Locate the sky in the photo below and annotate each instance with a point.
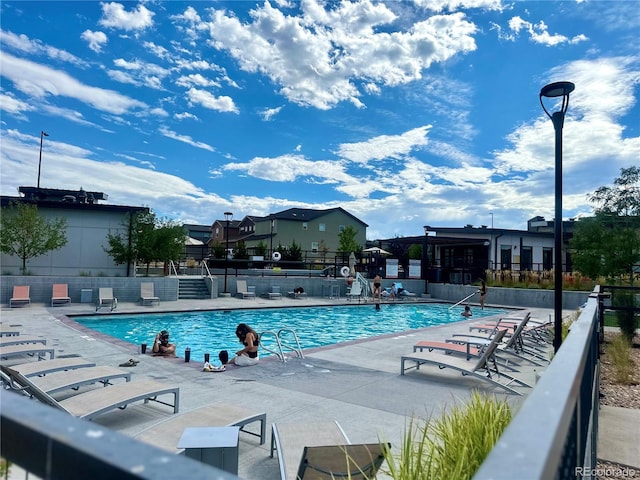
(404, 113)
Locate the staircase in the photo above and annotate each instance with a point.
(192, 289)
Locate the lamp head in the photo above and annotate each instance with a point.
(228, 216)
(554, 90)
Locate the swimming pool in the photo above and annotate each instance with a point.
(212, 331)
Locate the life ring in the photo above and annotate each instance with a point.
(276, 256)
(344, 271)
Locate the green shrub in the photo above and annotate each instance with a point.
(454, 445)
(626, 318)
(619, 351)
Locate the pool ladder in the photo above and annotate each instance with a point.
(282, 346)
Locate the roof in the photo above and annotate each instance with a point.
(60, 205)
(309, 214)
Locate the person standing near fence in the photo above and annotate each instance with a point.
(483, 293)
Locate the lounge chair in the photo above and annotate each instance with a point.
(31, 369)
(89, 405)
(21, 340)
(60, 295)
(275, 292)
(166, 434)
(485, 367)
(321, 450)
(297, 294)
(27, 349)
(243, 291)
(403, 292)
(473, 346)
(106, 299)
(355, 291)
(20, 296)
(147, 294)
(72, 379)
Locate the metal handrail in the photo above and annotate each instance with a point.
(297, 348)
(282, 346)
(172, 266)
(279, 353)
(204, 266)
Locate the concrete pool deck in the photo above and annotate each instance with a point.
(357, 383)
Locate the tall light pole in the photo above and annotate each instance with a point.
(227, 216)
(271, 237)
(42, 135)
(554, 90)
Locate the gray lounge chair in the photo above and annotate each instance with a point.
(21, 340)
(31, 369)
(147, 294)
(275, 292)
(166, 434)
(321, 450)
(27, 349)
(73, 379)
(89, 405)
(243, 290)
(484, 368)
(106, 299)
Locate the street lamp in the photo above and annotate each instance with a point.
(553, 90)
(42, 135)
(227, 216)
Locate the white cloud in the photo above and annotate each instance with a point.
(268, 113)
(185, 139)
(115, 16)
(96, 40)
(207, 100)
(41, 81)
(385, 146)
(539, 33)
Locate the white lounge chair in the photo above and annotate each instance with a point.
(60, 294)
(166, 434)
(89, 405)
(147, 294)
(106, 299)
(20, 296)
(321, 450)
(243, 290)
(485, 367)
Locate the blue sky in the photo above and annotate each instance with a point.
(405, 113)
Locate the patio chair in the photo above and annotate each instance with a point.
(93, 403)
(20, 296)
(243, 291)
(8, 330)
(31, 369)
(275, 292)
(485, 367)
(106, 299)
(73, 379)
(166, 433)
(39, 351)
(321, 450)
(21, 340)
(147, 294)
(355, 291)
(60, 294)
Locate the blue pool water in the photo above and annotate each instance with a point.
(212, 331)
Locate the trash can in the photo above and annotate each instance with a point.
(86, 295)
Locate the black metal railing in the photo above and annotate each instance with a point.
(554, 435)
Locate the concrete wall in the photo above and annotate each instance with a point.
(125, 289)
(508, 296)
(84, 253)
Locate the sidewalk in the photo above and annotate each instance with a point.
(619, 436)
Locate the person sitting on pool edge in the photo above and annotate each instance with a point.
(249, 354)
(161, 345)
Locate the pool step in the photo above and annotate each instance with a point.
(192, 289)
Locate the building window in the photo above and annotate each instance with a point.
(314, 247)
(322, 227)
(547, 258)
(505, 257)
(341, 228)
(526, 258)
(305, 225)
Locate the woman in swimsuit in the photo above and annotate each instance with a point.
(249, 354)
(377, 283)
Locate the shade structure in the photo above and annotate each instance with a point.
(377, 250)
(193, 241)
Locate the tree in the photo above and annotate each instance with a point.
(347, 240)
(147, 240)
(261, 248)
(241, 251)
(27, 234)
(608, 244)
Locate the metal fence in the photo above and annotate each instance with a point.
(555, 431)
